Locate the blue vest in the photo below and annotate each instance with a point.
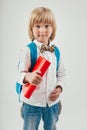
(33, 55)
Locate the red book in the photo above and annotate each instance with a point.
(42, 64)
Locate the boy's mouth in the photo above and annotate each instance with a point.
(41, 35)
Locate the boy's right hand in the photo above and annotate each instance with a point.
(33, 77)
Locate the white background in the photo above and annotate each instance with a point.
(71, 17)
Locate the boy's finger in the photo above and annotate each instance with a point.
(37, 71)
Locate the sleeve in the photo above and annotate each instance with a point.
(24, 64)
(61, 74)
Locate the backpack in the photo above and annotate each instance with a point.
(33, 53)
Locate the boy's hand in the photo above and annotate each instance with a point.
(55, 93)
(33, 78)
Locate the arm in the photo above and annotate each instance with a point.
(23, 65)
(60, 82)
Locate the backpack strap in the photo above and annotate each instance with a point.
(57, 54)
(18, 90)
(33, 53)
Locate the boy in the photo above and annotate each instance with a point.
(43, 103)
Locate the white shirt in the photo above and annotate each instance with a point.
(51, 79)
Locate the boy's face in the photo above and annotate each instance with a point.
(42, 32)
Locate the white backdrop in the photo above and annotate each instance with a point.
(71, 17)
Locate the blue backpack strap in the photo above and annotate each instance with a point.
(57, 54)
(18, 89)
(33, 53)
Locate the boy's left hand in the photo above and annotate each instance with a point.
(55, 93)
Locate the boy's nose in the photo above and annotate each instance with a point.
(42, 29)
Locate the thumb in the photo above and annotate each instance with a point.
(37, 71)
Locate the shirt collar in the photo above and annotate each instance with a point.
(39, 44)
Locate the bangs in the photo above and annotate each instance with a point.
(43, 18)
(43, 15)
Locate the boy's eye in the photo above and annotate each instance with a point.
(46, 26)
(37, 26)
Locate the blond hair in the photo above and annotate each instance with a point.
(43, 15)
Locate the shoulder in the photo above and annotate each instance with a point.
(55, 45)
(28, 46)
(24, 51)
(31, 44)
